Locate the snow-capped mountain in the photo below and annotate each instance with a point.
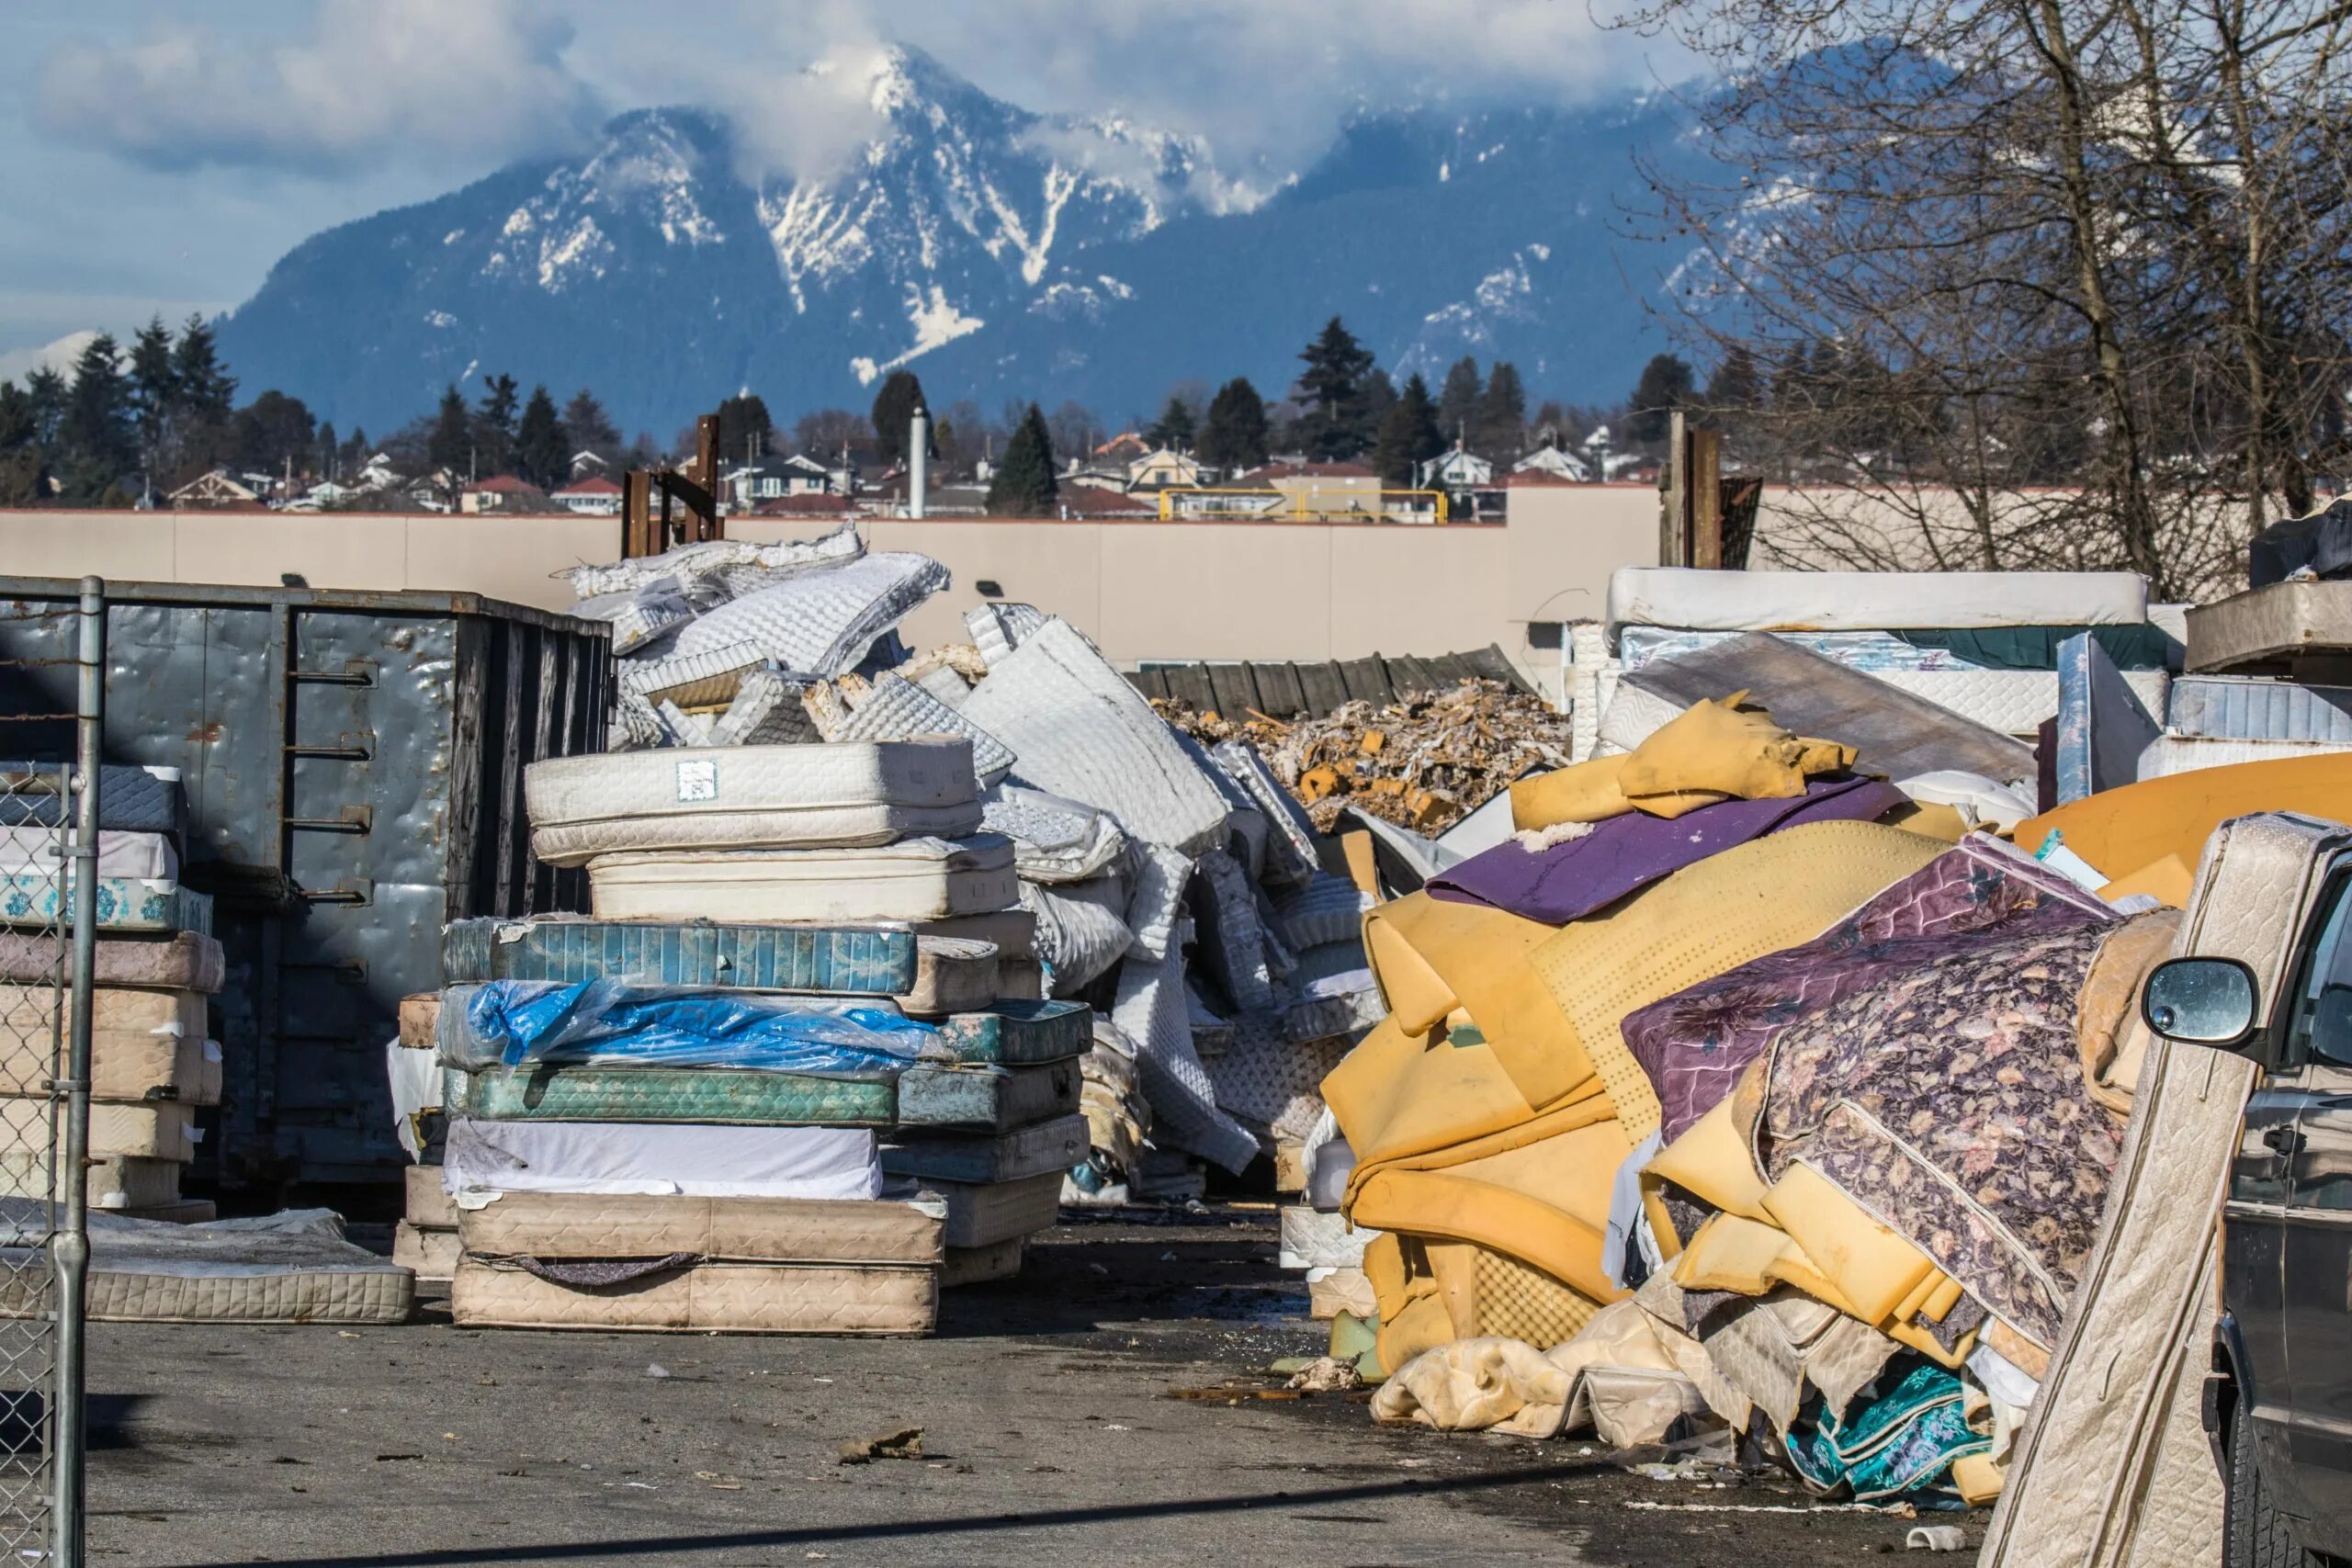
(1000, 252)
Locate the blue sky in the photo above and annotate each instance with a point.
(167, 154)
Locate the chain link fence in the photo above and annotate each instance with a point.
(49, 717)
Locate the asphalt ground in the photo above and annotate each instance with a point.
(1064, 1421)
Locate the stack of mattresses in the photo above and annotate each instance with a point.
(666, 1116)
(153, 1062)
(426, 1238)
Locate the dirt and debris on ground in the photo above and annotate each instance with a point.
(1048, 1437)
(1424, 763)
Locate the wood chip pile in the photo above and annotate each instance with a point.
(1423, 764)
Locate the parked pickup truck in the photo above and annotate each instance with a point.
(2279, 1399)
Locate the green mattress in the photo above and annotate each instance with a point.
(988, 1098)
(1015, 1033)
(672, 1094)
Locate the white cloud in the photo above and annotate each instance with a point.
(19, 363)
(479, 79)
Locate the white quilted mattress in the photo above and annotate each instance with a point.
(914, 879)
(1053, 840)
(2170, 754)
(1870, 601)
(757, 1230)
(736, 797)
(987, 1213)
(1312, 1239)
(822, 621)
(2014, 702)
(430, 1254)
(893, 708)
(1082, 731)
(287, 1268)
(714, 1298)
(485, 1157)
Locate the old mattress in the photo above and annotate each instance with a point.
(914, 879)
(37, 850)
(182, 961)
(127, 905)
(1870, 601)
(289, 1268)
(548, 1225)
(132, 799)
(1013, 931)
(893, 708)
(952, 975)
(426, 1201)
(720, 1096)
(982, 1265)
(161, 1130)
(730, 797)
(992, 1099)
(142, 1044)
(821, 622)
(116, 1182)
(718, 1298)
(2244, 708)
(429, 1253)
(1015, 1033)
(1054, 1145)
(987, 1213)
(2121, 829)
(2270, 627)
(2112, 1467)
(852, 962)
(699, 1161)
(1082, 731)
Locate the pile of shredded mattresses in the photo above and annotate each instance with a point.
(886, 956)
(153, 1060)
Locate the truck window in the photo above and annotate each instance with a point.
(2322, 1026)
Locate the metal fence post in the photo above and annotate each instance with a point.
(72, 1245)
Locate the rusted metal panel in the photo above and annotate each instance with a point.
(353, 762)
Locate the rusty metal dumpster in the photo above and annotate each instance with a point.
(353, 767)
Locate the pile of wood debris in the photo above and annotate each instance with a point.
(1424, 764)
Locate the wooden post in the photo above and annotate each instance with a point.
(638, 537)
(1674, 496)
(1705, 489)
(703, 524)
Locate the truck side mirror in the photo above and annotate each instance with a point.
(2201, 1002)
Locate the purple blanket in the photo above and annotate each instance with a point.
(1571, 880)
(1695, 1044)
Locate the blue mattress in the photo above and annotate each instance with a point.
(2234, 707)
(840, 960)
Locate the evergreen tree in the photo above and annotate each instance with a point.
(1374, 399)
(275, 432)
(1408, 435)
(744, 430)
(894, 409)
(1024, 484)
(1666, 385)
(1500, 432)
(1332, 387)
(97, 440)
(494, 427)
(1232, 438)
(154, 392)
(354, 452)
(1175, 427)
(206, 391)
(1736, 386)
(451, 443)
(23, 467)
(588, 428)
(541, 454)
(324, 459)
(45, 391)
(1457, 398)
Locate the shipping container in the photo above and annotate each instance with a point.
(353, 767)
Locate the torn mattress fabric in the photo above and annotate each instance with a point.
(821, 622)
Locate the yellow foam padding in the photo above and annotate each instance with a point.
(1915, 1337)
(2166, 881)
(1397, 1094)
(1711, 1160)
(1758, 898)
(1422, 1325)
(1747, 1258)
(1931, 817)
(1872, 1266)
(1454, 1267)
(1661, 1218)
(1444, 956)
(1384, 1271)
(1938, 1304)
(1580, 1111)
(1978, 1478)
(1718, 748)
(1545, 1203)
(2120, 829)
(1587, 792)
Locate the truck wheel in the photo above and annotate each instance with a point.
(2252, 1534)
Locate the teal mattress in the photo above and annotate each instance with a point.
(987, 1099)
(838, 960)
(36, 900)
(722, 1095)
(1015, 1033)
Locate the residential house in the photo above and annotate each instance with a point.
(767, 479)
(1455, 471)
(1551, 460)
(593, 495)
(502, 493)
(1164, 467)
(212, 490)
(585, 463)
(1121, 450)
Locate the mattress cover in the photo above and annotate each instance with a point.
(121, 853)
(2270, 626)
(289, 1268)
(858, 961)
(430, 1254)
(426, 1202)
(116, 1182)
(142, 1042)
(1313, 1240)
(1015, 1033)
(988, 1214)
(914, 879)
(759, 1230)
(1870, 601)
(131, 799)
(982, 1265)
(1053, 840)
(184, 961)
(1054, 1145)
(719, 1298)
(698, 1160)
(893, 708)
(161, 1130)
(1082, 731)
(726, 798)
(991, 1098)
(822, 621)
(2014, 702)
(126, 904)
(717, 1096)
(731, 564)
(2236, 707)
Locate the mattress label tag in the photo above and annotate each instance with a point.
(698, 781)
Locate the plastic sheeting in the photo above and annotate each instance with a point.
(510, 1023)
